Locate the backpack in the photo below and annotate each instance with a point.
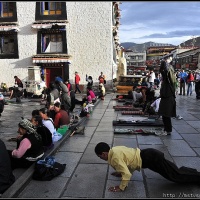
(47, 169)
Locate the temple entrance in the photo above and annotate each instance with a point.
(51, 73)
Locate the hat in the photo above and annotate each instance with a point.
(58, 79)
(26, 124)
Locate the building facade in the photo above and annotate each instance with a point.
(135, 62)
(42, 40)
(155, 54)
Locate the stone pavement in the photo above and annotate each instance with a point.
(87, 176)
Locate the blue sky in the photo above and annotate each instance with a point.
(171, 22)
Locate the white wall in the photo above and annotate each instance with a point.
(89, 41)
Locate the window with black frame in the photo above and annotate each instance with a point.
(50, 10)
(52, 41)
(8, 45)
(7, 9)
(8, 12)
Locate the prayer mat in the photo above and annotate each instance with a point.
(128, 103)
(127, 108)
(136, 131)
(146, 122)
(132, 112)
(122, 106)
(121, 100)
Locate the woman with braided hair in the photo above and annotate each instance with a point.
(29, 146)
(167, 107)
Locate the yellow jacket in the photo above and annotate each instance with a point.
(125, 161)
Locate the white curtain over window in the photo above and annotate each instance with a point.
(54, 47)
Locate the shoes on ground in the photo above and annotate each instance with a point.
(180, 94)
(179, 117)
(162, 133)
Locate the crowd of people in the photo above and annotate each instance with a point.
(36, 135)
(186, 81)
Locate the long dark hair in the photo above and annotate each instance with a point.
(163, 69)
(45, 111)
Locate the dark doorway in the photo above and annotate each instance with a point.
(51, 73)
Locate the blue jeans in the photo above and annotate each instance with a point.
(189, 88)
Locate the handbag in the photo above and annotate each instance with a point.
(56, 136)
(47, 169)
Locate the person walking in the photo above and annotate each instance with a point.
(167, 107)
(126, 160)
(77, 81)
(183, 76)
(190, 80)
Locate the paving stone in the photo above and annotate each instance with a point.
(96, 115)
(192, 162)
(194, 124)
(102, 136)
(44, 189)
(167, 189)
(88, 181)
(135, 189)
(89, 131)
(91, 122)
(105, 128)
(89, 155)
(197, 150)
(192, 139)
(129, 142)
(151, 139)
(179, 148)
(76, 143)
(184, 128)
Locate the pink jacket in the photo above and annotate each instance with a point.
(92, 94)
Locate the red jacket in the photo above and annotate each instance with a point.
(61, 118)
(190, 78)
(77, 79)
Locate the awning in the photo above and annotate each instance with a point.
(46, 25)
(9, 28)
(51, 60)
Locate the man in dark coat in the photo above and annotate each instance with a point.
(6, 176)
(167, 108)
